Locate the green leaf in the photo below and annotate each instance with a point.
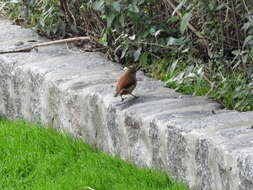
(221, 6)
(247, 40)
(144, 59)
(103, 40)
(99, 5)
(175, 41)
(158, 32)
(110, 19)
(152, 30)
(236, 52)
(251, 52)
(116, 6)
(246, 26)
(140, 2)
(123, 53)
(172, 19)
(180, 5)
(173, 66)
(133, 8)
(184, 22)
(122, 20)
(137, 54)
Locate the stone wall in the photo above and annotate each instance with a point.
(191, 138)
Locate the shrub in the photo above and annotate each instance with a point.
(216, 36)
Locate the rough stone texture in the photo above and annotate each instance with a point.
(189, 137)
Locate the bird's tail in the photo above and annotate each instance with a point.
(116, 94)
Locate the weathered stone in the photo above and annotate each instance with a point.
(191, 138)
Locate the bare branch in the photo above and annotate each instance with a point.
(28, 49)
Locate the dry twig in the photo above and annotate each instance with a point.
(28, 49)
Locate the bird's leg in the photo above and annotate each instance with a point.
(133, 95)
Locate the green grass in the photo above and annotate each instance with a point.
(33, 157)
(231, 89)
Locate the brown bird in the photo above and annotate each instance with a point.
(127, 82)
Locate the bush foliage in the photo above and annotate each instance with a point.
(199, 47)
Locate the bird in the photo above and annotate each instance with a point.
(127, 82)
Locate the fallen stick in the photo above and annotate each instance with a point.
(28, 49)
